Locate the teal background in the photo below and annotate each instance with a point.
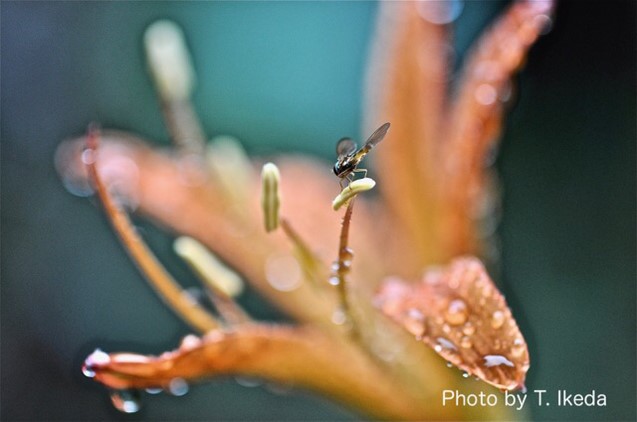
(288, 77)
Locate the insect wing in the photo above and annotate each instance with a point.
(345, 146)
(377, 136)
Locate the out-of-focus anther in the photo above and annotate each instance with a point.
(208, 267)
(222, 283)
(229, 164)
(270, 199)
(172, 71)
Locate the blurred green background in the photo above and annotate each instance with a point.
(288, 77)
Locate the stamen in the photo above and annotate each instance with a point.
(341, 269)
(270, 199)
(174, 77)
(351, 190)
(314, 269)
(222, 283)
(206, 265)
(229, 164)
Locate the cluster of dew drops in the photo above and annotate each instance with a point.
(130, 400)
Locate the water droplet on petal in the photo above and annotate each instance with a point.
(154, 390)
(445, 344)
(449, 365)
(518, 348)
(97, 358)
(496, 360)
(440, 12)
(178, 387)
(465, 342)
(248, 381)
(279, 389)
(468, 329)
(465, 375)
(283, 272)
(126, 401)
(414, 322)
(189, 342)
(88, 372)
(486, 94)
(543, 22)
(456, 312)
(497, 319)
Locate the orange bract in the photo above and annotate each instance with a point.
(461, 314)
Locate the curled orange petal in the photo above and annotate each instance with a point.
(301, 356)
(460, 313)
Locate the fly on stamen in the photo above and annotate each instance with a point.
(349, 155)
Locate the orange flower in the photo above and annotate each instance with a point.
(362, 324)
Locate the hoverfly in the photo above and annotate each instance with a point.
(348, 156)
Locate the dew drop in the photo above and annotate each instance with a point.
(456, 312)
(154, 390)
(334, 281)
(444, 344)
(496, 360)
(440, 12)
(126, 401)
(414, 322)
(347, 254)
(544, 23)
(178, 387)
(189, 342)
(517, 349)
(88, 156)
(497, 319)
(465, 375)
(339, 317)
(248, 381)
(465, 342)
(97, 358)
(486, 94)
(283, 272)
(88, 372)
(468, 329)
(384, 351)
(335, 267)
(449, 365)
(279, 389)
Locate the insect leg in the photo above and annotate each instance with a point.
(364, 171)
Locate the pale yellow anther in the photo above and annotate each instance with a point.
(270, 200)
(208, 267)
(230, 165)
(169, 60)
(351, 190)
